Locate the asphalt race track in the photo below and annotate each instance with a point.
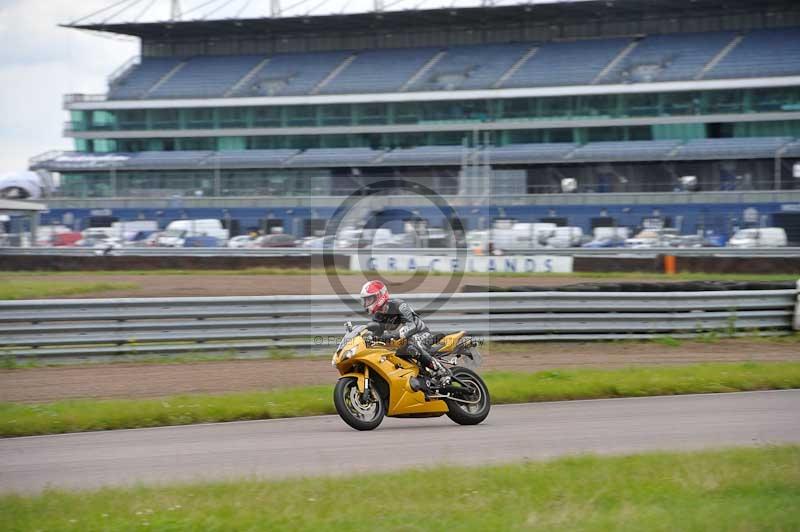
(325, 445)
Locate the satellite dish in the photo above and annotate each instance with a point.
(20, 185)
(569, 184)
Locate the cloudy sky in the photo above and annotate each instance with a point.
(40, 62)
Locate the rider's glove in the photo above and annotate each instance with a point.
(388, 336)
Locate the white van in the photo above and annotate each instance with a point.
(565, 237)
(763, 237)
(178, 231)
(127, 230)
(521, 235)
(611, 233)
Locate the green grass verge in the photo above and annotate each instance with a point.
(632, 276)
(21, 288)
(751, 489)
(279, 353)
(17, 419)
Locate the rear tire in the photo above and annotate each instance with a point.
(469, 414)
(360, 416)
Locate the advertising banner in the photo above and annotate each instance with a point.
(471, 264)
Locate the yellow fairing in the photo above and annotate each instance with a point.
(402, 399)
(450, 341)
(397, 373)
(359, 379)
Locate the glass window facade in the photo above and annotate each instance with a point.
(784, 99)
(160, 184)
(580, 135)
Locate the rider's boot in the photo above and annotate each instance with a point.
(440, 374)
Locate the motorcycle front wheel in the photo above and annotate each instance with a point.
(359, 414)
(472, 405)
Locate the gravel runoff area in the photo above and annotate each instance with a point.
(158, 380)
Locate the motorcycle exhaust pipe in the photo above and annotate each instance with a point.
(457, 390)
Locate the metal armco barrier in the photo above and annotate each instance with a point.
(796, 324)
(102, 327)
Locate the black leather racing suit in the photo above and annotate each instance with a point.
(398, 320)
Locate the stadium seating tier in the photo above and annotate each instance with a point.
(672, 57)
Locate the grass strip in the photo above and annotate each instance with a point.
(17, 419)
(21, 288)
(731, 489)
(285, 353)
(632, 276)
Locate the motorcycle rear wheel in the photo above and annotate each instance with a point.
(469, 414)
(354, 412)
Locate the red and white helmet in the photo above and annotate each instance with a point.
(374, 296)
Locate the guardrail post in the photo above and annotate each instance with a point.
(670, 266)
(796, 324)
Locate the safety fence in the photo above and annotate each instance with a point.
(108, 327)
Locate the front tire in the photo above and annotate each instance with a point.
(354, 412)
(473, 413)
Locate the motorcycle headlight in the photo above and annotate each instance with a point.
(343, 355)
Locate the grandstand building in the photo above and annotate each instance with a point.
(500, 108)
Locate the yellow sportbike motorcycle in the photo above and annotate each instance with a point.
(375, 382)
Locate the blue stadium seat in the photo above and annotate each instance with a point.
(792, 149)
(291, 74)
(630, 150)
(671, 57)
(140, 78)
(470, 67)
(732, 148)
(567, 63)
(423, 155)
(166, 159)
(249, 158)
(379, 70)
(762, 53)
(523, 153)
(207, 76)
(336, 157)
(668, 57)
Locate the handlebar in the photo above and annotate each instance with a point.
(370, 339)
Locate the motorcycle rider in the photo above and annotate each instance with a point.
(393, 319)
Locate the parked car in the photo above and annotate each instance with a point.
(763, 237)
(242, 241)
(606, 242)
(608, 237)
(358, 238)
(691, 241)
(201, 241)
(521, 235)
(318, 242)
(109, 243)
(565, 237)
(177, 231)
(644, 239)
(275, 241)
(66, 239)
(656, 238)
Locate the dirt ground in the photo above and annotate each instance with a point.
(158, 380)
(189, 285)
